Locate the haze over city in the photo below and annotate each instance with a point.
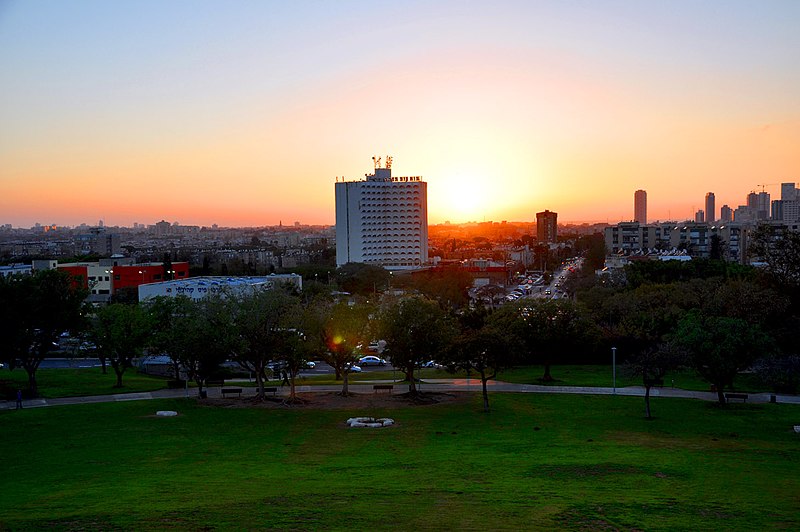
(244, 113)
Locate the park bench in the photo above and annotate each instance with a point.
(742, 396)
(214, 382)
(387, 387)
(272, 389)
(226, 391)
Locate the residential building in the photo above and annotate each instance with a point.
(725, 214)
(711, 208)
(640, 206)
(382, 220)
(547, 226)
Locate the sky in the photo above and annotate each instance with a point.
(244, 113)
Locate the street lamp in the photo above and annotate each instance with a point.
(614, 367)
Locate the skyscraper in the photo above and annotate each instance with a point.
(382, 220)
(788, 192)
(640, 206)
(725, 214)
(547, 226)
(699, 216)
(711, 208)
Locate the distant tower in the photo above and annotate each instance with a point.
(699, 216)
(725, 214)
(788, 192)
(640, 207)
(711, 208)
(383, 220)
(547, 226)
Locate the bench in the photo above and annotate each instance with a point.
(226, 391)
(214, 382)
(272, 389)
(742, 396)
(387, 387)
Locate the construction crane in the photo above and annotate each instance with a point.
(765, 185)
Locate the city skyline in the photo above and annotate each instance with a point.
(244, 114)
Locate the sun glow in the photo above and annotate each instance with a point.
(462, 198)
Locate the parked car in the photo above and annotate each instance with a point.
(371, 360)
(353, 368)
(432, 364)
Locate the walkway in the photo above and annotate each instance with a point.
(435, 385)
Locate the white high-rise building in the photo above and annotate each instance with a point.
(382, 220)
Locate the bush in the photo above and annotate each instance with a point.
(781, 374)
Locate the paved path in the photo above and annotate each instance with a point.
(438, 385)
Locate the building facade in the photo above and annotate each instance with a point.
(382, 220)
(640, 206)
(711, 208)
(200, 287)
(547, 226)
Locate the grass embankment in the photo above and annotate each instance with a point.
(546, 462)
(76, 382)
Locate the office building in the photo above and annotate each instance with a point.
(711, 208)
(547, 226)
(382, 220)
(640, 206)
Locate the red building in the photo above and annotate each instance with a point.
(106, 280)
(150, 272)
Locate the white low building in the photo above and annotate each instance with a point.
(200, 287)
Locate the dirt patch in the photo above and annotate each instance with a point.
(334, 401)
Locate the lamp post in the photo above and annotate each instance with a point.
(614, 368)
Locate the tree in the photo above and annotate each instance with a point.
(300, 343)
(415, 329)
(447, 286)
(545, 329)
(479, 348)
(720, 347)
(261, 319)
(168, 316)
(652, 364)
(207, 339)
(121, 332)
(343, 329)
(362, 279)
(36, 309)
(780, 251)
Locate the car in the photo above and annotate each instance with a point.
(352, 368)
(432, 364)
(547, 292)
(371, 360)
(310, 365)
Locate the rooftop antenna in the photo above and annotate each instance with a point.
(388, 163)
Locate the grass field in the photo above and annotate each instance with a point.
(75, 382)
(537, 461)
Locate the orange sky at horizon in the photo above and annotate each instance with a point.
(501, 118)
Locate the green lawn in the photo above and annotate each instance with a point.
(536, 462)
(590, 375)
(73, 382)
